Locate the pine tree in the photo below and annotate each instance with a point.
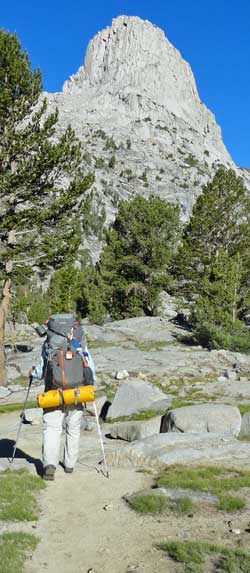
(40, 217)
(220, 303)
(220, 220)
(217, 311)
(134, 264)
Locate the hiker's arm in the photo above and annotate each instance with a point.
(37, 371)
(90, 361)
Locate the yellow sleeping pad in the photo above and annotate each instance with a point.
(59, 397)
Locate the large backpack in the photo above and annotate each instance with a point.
(64, 363)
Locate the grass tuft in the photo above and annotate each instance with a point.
(230, 503)
(214, 479)
(14, 548)
(184, 505)
(192, 553)
(148, 503)
(17, 499)
(185, 552)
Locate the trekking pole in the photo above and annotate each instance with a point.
(101, 440)
(22, 416)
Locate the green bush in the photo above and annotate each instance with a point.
(215, 337)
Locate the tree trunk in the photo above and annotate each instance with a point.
(4, 307)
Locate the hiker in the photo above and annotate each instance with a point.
(64, 357)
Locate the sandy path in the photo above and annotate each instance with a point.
(78, 534)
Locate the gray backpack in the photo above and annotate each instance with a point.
(64, 363)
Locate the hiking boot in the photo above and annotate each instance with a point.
(49, 473)
(68, 470)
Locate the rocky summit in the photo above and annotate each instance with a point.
(135, 106)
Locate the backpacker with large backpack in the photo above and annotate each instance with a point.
(67, 374)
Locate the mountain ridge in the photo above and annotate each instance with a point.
(135, 106)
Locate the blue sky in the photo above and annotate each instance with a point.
(213, 36)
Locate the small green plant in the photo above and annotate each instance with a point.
(14, 548)
(184, 505)
(110, 144)
(213, 479)
(148, 503)
(243, 408)
(230, 503)
(99, 163)
(101, 133)
(17, 499)
(195, 553)
(144, 177)
(185, 552)
(87, 158)
(191, 161)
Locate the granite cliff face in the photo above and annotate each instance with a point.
(135, 106)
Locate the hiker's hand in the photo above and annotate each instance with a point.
(31, 371)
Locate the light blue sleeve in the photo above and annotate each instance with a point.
(38, 370)
(91, 362)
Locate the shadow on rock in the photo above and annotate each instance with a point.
(6, 451)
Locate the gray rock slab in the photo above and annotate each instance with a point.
(34, 415)
(4, 392)
(135, 429)
(216, 418)
(161, 405)
(175, 494)
(16, 388)
(134, 395)
(245, 425)
(13, 372)
(237, 389)
(166, 449)
(173, 360)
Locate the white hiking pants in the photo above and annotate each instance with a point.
(53, 422)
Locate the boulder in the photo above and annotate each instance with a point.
(215, 418)
(121, 375)
(135, 395)
(135, 429)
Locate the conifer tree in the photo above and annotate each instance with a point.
(220, 303)
(220, 220)
(41, 185)
(217, 311)
(134, 264)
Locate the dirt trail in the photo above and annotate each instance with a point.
(85, 526)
